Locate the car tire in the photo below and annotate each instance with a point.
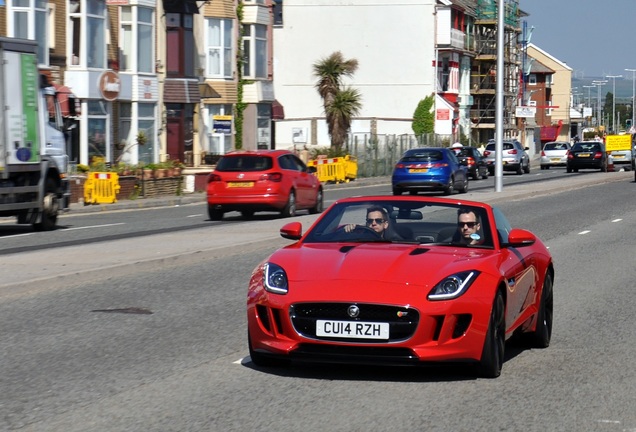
(262, 360)
(541, 336)
(492, 355)
(485, 175)
(464, 187)
(568, 169)
(320, 203)
(247, 214)
(397, 191)
(214, 214)
(290, 207)
(520, 169)
(526, 169)
(449, 187)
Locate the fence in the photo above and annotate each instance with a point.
(377, 154)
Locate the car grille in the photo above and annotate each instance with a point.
(402, 321)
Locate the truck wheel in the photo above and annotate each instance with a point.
(51, 206)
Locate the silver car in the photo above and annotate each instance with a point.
(554, 153)
(514, 157)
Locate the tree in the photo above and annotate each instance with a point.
(341, 103)
(423, 120)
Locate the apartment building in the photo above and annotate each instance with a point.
(155, 79)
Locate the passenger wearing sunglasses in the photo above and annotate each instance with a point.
(468, 227)
(377, 220)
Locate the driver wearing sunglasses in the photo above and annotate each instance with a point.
(377, 220)
(469, 227)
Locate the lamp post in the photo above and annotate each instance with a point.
(599, 113)
(613, 77)
(633, 71)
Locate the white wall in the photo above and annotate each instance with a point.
(393, 43)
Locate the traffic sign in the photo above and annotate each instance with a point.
(618, 142)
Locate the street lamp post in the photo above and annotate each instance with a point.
(613, 77)
(633, 71)
(599, 113)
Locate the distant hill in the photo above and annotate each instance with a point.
(624, 88)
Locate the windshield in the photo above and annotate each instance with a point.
(416, 222)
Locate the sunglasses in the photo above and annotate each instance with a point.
(376, 220)
(468, 224)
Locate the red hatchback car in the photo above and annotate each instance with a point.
(452, 283)
(263, 180)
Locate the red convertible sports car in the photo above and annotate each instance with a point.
(401, 280)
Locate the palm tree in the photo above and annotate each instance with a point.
(341, 103)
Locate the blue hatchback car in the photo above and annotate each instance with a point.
(429, 169)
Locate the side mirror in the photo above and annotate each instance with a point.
(292, 231)
(312, 170)
(519, 237)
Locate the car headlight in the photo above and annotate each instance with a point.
(275, 279)
(453, 286)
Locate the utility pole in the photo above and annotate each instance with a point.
(613, 77)
(599, 112)
(633, 71)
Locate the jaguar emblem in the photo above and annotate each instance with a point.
(353, 311)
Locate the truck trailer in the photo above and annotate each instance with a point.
(34, 184)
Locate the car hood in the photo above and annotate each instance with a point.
(380, 262)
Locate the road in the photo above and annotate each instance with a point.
(157, 340)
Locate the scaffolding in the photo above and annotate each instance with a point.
(484, 71)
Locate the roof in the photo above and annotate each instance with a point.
(536, 67)
(549, 56)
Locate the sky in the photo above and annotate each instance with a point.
(595, 38)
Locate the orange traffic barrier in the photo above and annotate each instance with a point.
(335, 170)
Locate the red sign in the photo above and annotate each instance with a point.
(118, 2)
(443, 114)
(109, 85)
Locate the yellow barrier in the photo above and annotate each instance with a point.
(101, 188)
(337, 170)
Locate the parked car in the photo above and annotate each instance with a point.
(587, 155)
(621, 156)
(262, 180)
(514, 157)
(429, 169)
(554, 153)
(473, 161)
(349, 296)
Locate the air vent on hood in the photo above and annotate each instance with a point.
(419, 251)
(346, 249)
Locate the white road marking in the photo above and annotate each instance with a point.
(584, 232)
(617, 220)
(196, 215)
(93, 226)
(239, 361)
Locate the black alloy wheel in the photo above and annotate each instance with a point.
(492, 355)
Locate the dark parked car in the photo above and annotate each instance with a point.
(514, 157)
(429, 169)
(587, 155)
(473, 161)
(263, 180)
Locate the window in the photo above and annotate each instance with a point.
(180, 44)
(29, 19)
(255, 50)
(278, 12)
(548, 112)
(532, 79)
(88, 33)
(97, 130)
(218, 143)
(263, 122)
(147, 125)
(137, 41)
(219, 57)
